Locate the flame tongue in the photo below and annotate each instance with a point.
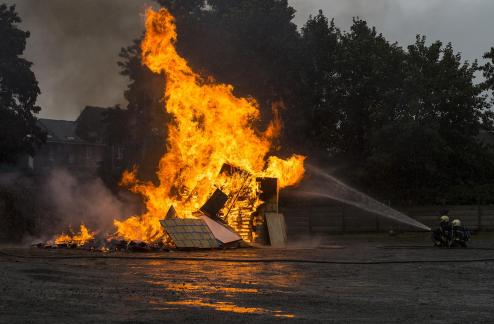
(78, 239)
(211, 127)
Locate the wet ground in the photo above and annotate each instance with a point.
(67, 286)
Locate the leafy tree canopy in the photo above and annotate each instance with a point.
(401, 124)
(19, 90)
(488, 70)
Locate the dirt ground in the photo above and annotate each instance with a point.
(91, 287)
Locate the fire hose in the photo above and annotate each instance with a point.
(242, 260)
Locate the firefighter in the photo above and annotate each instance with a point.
(461, 235)
(443, 235)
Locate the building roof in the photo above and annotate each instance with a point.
(63, 131)
(88, 128)
(93, 114)
(90, 124)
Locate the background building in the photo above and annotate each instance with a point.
(77, 146)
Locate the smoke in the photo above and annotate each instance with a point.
(35, 208)
(311, 241)
(74, 46)
(75, 201)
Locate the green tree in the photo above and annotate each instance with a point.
(19, 90)
(147, 117)
(137, 134)
(488, 70)
(368, 73)
(401, 124)
(354, 78)
(431, 141)
(319, 123)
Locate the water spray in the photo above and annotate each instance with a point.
(327, 186)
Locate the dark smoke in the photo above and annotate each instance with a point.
(74, 46)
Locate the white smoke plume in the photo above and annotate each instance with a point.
(76, 201)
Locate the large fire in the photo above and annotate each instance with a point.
(211, 128)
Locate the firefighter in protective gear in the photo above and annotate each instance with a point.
(443, 235)
(461, 235)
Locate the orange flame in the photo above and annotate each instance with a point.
(79, 239)
(211, 127)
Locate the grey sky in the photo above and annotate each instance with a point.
(75, 44)
(468, 24)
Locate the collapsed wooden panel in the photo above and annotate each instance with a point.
(276, 228)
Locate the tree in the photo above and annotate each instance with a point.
(355, 78)
(320, 40)
(19, 90)
(401, 124)
(147, 117)
(488, 70)
(251, 44)
(429, 141)
(116, 136)
(138, 132)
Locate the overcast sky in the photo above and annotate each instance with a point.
(74, 45)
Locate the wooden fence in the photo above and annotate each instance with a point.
(339, 218)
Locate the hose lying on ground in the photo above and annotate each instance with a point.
(233, 260)
(418, 247)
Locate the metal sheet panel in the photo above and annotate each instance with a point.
(190, 233)
(220, 232)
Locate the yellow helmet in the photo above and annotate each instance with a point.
(444, 219)
(456, 222)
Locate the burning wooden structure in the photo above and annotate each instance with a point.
(227, 212)
(217, 163)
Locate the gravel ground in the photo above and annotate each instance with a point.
(37, 286)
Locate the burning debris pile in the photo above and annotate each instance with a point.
(216, 179)
(74, 239)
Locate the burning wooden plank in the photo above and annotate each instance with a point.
(214, 204)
